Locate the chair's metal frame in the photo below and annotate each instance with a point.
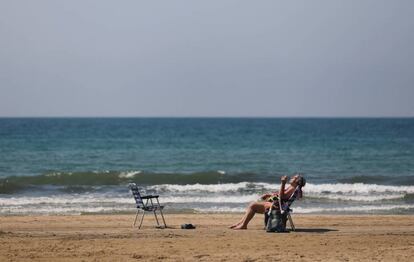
(292, 226)
(289, 217)
(148, 206)
(285, 207)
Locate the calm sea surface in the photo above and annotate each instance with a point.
(83, 165)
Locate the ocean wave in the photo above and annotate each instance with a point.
(194, 197)
(315, 210)
(82, 209)
(78, 210)
(351, 209)
(253, 197)
(409, 198)
(378, 179)
(358, 198)
(358, 188)
(13, 184)
(220, 209)
(340, 192)
(7, 187)
(312, 189)
(78, 189)
(210, 181)
(216, 188)
(59, 210)
(210, 199)
(129, 174)
(64, 200)
(114, 201)
(102, 199)
(240, 191)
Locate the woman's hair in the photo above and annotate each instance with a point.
(301, 183)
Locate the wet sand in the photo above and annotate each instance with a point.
(112, 238)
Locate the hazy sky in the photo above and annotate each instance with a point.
(207, 58)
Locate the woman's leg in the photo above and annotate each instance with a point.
(254, 207)
(266, 204)
(241, 220)
(238, 223)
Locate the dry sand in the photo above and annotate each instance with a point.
(111, 238)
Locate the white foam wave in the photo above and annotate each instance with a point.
(364, 208)
(58, 174)
(309, 210)
(129, 174)
(229, 197)
(77, 210)
(215, 188)
(211, 199)
(220, 209)
(102, 199)
(219, 204)
(315, 189)
(62, 200)
(224, 193)
(362, 198)
(358, 188)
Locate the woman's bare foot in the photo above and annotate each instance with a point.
(239, 227)
(235, 225)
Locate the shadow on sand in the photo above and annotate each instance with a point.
(314, 230)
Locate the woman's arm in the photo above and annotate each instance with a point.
(283, 181)
(265, 196)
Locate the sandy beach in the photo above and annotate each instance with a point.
(111, 238)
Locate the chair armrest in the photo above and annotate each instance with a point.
(150, 196)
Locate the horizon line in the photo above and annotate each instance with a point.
(206, 116)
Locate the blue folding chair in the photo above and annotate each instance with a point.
(148, 206)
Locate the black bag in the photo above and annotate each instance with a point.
(276, 221)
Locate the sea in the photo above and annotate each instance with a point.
(74, 166)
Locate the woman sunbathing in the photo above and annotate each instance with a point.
(266, 203)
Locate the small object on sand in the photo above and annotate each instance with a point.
(187, 226)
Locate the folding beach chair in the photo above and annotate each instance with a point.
(285, 208)
(148, 206)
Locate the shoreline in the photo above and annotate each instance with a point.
(209, 213)
(111, 237)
